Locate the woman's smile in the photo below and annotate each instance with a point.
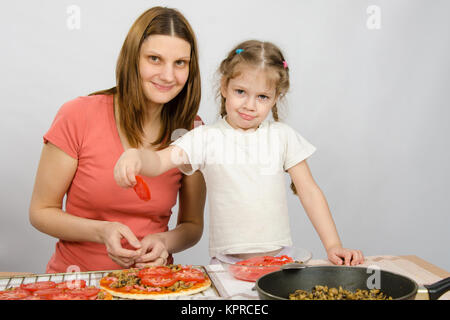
(162, 88)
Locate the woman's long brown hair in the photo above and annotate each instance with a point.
(175, 114)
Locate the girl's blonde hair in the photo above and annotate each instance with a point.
(258, 54)
(178, 113)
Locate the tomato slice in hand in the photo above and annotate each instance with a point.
(38, 285)
(141, 189)
(159, 281)
(190, 275)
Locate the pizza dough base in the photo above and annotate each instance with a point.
(149, 296)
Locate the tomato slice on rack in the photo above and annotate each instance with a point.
(88, 292)
(71, 284)
(34, 286)
(14, 294)
(47, 293)
(141, 189)
(190, 275)
(159, 281)
(49, 290)
(66, 296)
(32, 298)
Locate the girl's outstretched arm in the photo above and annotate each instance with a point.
(148, 162)
(317, 209)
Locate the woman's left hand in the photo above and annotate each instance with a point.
(153, 252)
(339, 256)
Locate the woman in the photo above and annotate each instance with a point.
(104, 227)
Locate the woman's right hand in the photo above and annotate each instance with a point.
(127, 167)
(111, 235)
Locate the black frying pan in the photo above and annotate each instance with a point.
(279, 284)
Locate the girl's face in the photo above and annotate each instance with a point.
(249, 97)
(163, 67)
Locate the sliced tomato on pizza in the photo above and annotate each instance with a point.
(159, 281)
(155, 271)
(190, 275)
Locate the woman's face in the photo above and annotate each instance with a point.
(164, 67)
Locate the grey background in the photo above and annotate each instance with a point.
(375, 103)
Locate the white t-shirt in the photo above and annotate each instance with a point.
(244, 175)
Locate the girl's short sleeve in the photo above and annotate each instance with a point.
(67, 130)
(197, 122)
(192, 143)
(297, 148)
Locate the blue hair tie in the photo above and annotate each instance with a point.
(238, 51)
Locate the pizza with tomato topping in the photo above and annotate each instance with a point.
(159, 282)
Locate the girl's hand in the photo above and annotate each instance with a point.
(339, 256)
(127, 167)
(111, 235)
(153, 251)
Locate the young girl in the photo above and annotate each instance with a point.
(243, 158)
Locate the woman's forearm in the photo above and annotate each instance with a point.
(189, 227)
(317, 209)
(62, 225)
(184, 236)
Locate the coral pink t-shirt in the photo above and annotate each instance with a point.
(86, 130)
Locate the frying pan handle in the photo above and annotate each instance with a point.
(437, 289)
